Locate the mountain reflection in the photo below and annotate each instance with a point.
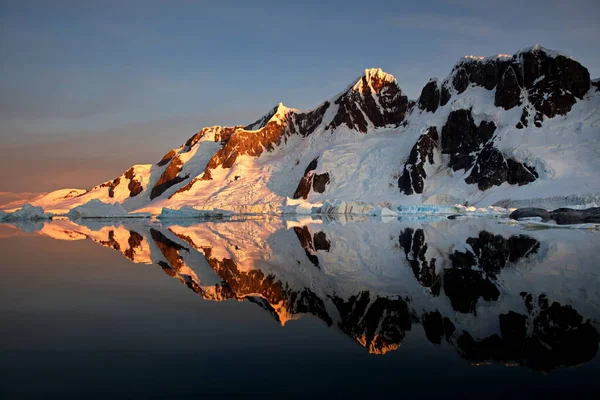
(491, 291)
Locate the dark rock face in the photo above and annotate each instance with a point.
(355, 105)
(519, 173)
(461, 137)
(169, 177)
(429, 100)
(492, 169)
(552, 82)
(413, 175)
(135, 187)
(112, 186)
(306, 181)
(166, 158)
(306, 123)
(445, 95)
(486, 73)
(508, 91)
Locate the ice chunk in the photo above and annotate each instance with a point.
(428, 209)
(97, 209)
(26, 212)
(191, 212)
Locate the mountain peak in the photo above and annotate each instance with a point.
(538, 48)
(374, 78)
(276, 113)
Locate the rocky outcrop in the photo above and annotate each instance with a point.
(135, 186)
(413, 175)
(167, 158)
(461, 138)
(493, 169)
(429, 100)
(311, 180)
(508, 91)
(169, 177)
(306, 181)
(375, 100)
(306, 123)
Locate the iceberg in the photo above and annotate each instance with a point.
(97, 209)
(190, 212)
(428, 209)
(26, 212)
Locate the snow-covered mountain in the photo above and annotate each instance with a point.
(491, 291)
(507, 130)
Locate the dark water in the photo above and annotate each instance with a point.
(289, 309)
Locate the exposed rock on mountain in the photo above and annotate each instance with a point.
(413, 175)
(495, 129)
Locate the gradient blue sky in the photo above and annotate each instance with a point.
(88, 88)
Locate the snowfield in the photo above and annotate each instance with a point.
(359, 164)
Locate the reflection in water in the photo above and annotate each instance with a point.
(492, 292)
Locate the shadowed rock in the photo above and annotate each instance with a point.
(508, 91)
(493, 169)
(305, 183)
(358, 108)
(461, 138)
(169, 177)
(413, 175)
(429, 100)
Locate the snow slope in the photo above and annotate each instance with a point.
(506, 130)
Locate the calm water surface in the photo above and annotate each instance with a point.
(293, 308)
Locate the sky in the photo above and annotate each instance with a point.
(89, 88)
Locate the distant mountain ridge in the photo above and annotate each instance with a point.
(520, 129)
